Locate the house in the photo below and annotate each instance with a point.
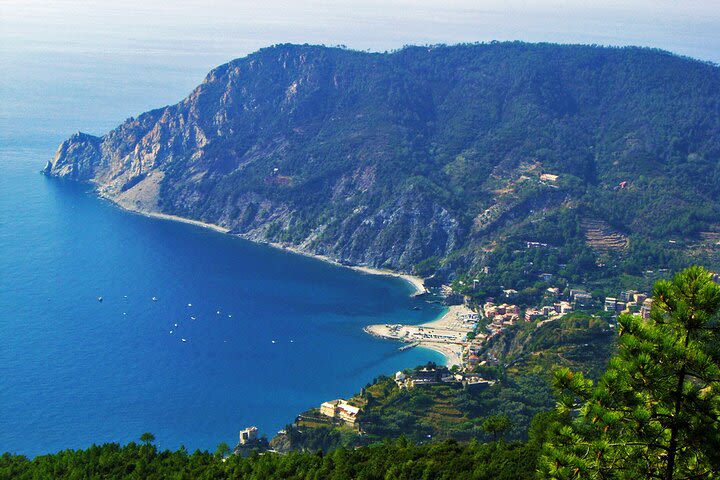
(583, 299)
(248, 435)
(627, 296)
(548, 177)
(645, 308)
(250, 443)
(563, 307)
(532, 314)
(545, 277)
(574, 292)
(328, 408)
(341, 410)
(473, 381)
(348, 413)
(611, 304)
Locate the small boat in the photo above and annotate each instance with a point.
(171, 331)
(229, 316)
(192, 318)
(273, 341)
(183, 340)
(218, 312)
(176, 325)
(100, 299)
(189, 304)
(154, 299)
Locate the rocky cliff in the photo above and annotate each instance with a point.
(391, 159)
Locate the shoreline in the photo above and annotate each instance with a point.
(448, 324)
(451, 352)
(417, 283)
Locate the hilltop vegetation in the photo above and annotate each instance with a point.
(396, 460)
(444, 158)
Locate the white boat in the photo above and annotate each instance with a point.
(183, 340)
(154, 299)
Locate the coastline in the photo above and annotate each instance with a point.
(448, 324)
(452, 352)
(417, 283)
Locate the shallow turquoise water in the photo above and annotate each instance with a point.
(74, 370)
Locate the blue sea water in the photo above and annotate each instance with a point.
(75, 371)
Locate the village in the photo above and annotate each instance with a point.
(461, 335)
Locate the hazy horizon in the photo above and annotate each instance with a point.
(231, 29)
(152, 54)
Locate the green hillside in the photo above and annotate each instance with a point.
(443, 158)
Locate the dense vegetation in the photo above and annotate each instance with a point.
(395, 460)
(655, 412)
(431, 157)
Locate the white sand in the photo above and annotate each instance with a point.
(449, 326)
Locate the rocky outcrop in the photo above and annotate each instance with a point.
(77, 158)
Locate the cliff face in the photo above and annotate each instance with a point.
(389, 159)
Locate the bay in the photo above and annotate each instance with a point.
(274, 333)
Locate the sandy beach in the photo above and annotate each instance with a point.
(175, 218)
(446, 335)
(416, 282)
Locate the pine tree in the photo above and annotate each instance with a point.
(655, 413)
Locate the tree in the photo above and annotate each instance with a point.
(655, 413)
(496, 425)
(222, 450)
(147, 438)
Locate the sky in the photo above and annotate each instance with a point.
(68, 65)
(231, 28)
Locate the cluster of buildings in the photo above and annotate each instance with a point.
(500, 316)
(558, 308)
(436, 375)
(340, 410)
(630, 301)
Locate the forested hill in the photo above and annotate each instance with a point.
(431, 157)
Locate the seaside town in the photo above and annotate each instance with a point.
(461, 335)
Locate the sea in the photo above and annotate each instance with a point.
(199, 334)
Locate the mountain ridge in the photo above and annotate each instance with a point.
(395, 159)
